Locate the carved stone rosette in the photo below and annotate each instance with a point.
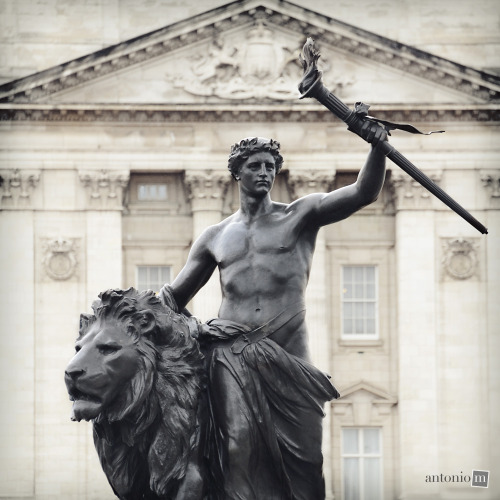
(491, 181)
(206, 189)
(407, 193)
(459, 260)
(303, 182)
(104, 188)
(59, 257)
(16, 188)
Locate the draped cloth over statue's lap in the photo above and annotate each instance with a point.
(266, 409)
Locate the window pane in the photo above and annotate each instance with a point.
(359, 325)
(371, 442)
(348, 326)
(350, 441)
(347, 291)
(359, 291)
(372, 479)
(162, 191)
(347, 311)
(358, 274)
(370, 309)
(165, 274)
(370, 274)
(370, 291)
(152, 277)
(359, 309)
(351, 479)
(370, 326)
(152, 192)
(347, 273)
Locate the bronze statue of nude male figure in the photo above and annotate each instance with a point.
(263, 440)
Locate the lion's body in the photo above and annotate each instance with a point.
(138, 375)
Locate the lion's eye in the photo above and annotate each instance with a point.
(107, 349)
(77, 348)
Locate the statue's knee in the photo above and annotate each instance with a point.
(238, 450)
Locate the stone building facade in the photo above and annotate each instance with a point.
(113, 163)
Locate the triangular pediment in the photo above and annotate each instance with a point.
(365, 391)
(247, 53)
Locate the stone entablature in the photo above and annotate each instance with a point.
(165, 113)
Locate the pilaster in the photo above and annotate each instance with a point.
(491, 195)
(417, 335)
(206, 190)
(302, 183)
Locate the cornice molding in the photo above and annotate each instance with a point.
(278, 13)
(230, 113)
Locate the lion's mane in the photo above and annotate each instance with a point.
(147, 437)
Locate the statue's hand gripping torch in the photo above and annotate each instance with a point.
(312, 86)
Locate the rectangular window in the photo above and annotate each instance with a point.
(359, 302)
(151, 192)
(361, 463)
(152, 277)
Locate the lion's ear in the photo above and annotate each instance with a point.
(146, 322)
(86, 321)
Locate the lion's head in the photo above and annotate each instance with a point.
(137, 374)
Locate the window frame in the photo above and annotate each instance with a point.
(362, 456)
(360, 336)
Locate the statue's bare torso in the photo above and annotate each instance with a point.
(264, 251)
(264, 265)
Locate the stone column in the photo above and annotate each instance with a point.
(416, 323)
(206, 191)
(303, 182)
(19, 197)
(491, 193)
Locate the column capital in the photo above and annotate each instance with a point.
(206, 189)
(303, 182)
(408, 194)
(17, 187)
(104, 188)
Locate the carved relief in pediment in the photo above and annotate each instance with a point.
(256, 65)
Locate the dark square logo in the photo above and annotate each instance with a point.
(480, 478)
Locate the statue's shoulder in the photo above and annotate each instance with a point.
(305, 204)
(211, 233)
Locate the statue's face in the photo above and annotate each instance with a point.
(257, 174)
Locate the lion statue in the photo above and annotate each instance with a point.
(138, 374)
